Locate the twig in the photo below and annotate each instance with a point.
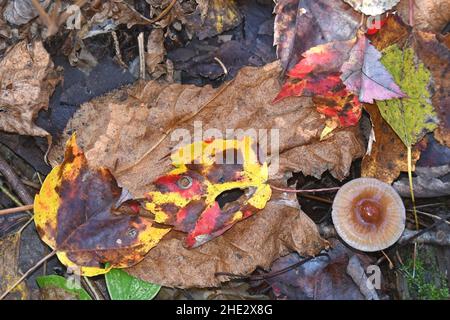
(141, 56)
(16, 209)
(117, 49)
(14, 182)
(25, 225)
(92, 289)
(26, 274)
(305, 190)
(225, 70)
(316, 198)
(430, 215)
(10, 195)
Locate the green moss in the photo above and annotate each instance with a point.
(428, 283)
(411, 117)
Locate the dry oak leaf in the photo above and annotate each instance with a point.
(435, 55)
(27, 80)
(372, 7)
(77, 212)
(255, 242)
(130, 130)
(388, 156)
(303, 24)
(428, 15)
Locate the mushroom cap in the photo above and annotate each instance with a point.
(368, 214)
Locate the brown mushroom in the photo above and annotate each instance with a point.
(368, 214)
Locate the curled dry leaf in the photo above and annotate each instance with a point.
(428, 15)
(372, 7)
(77, 212)
(303, 24)
(388, 156)
(27, 79)
(9, 268)
(255, 242)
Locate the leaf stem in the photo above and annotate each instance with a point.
(305, 190)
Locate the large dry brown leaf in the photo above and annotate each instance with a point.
(275, 231)
(388, 156)
(122, 130)
(27, 79)
(428, 15)
(436, 57)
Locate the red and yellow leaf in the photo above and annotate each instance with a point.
(188, 198)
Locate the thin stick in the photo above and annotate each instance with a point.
(305, 190)
(10, 195)
(26, 274)
(16, 209)
(25, 225)
(92, 289)
(15, 182)
(320, 199)
(141, 55)
(430, 215)
(225, 70)
(391, 265)
(117, 49)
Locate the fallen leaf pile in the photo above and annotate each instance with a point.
(132, 137)
(128, 189)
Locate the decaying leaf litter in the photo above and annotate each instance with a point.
(212, 65)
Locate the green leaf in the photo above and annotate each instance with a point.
(122, 286)
(412, 117)
(53, 281)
